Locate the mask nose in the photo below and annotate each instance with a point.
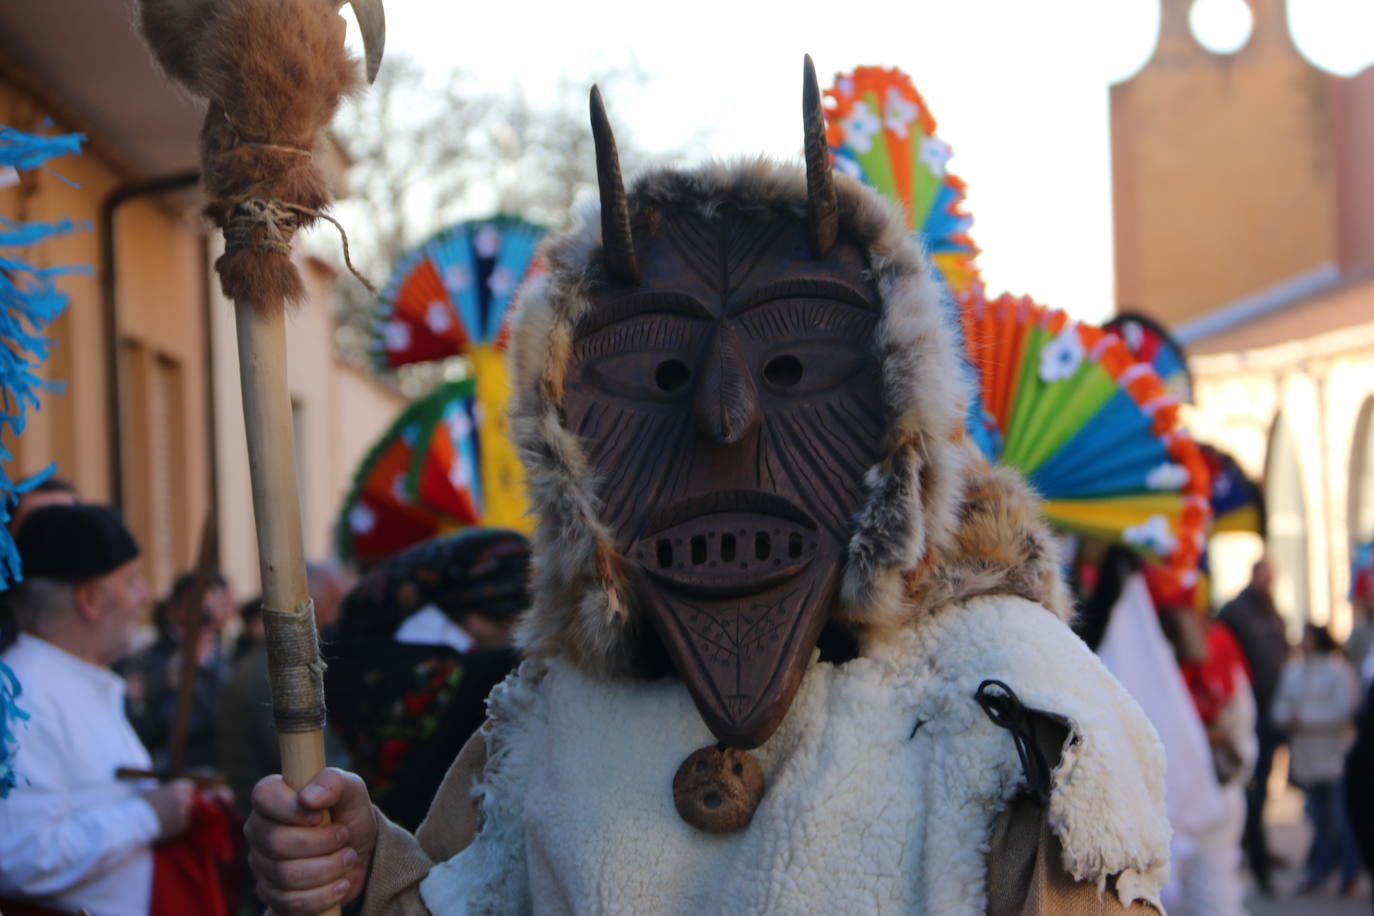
(726, 404)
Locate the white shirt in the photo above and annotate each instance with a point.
(430, 626)
(71, 835)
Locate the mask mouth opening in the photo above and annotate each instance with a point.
(726, 555)
(730, 544)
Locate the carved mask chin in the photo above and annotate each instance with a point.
(729, 405)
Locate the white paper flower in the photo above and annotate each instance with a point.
(487, 241)
(361, 519)
(844, 87)
(457, 278)
(397, 336)
(1152, 534)
(1133, 334)
(935, 155)
(459, 426)
(459, 476)
(1167, 476)
(847, 166)
(437, 317)
(1061, 357)
(898, 112)
(861, 127)
(501, 282)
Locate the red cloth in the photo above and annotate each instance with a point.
(1213, 682)
(198, 872)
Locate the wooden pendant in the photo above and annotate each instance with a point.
(718, 789)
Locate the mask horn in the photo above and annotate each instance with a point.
(822, 210)
(617, 242)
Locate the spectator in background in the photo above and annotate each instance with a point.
(72, 836)
(252, 633)
(1359, 784)
(1359, 646)
(1211, 882)
(248, 744)
(1258, 627)
(248, 747)
(154, 675)
(420, 642)
(52, 492)
(1316, 702)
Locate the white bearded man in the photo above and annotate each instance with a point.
(794, 646)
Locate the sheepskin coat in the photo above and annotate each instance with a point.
(883, 784)
(886, 778)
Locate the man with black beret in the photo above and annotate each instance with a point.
(72, 836)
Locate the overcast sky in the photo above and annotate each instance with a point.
(1019, 88)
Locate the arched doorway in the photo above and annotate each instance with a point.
(1288, 528)
(1361, 508)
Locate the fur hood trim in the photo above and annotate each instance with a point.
(911, 526)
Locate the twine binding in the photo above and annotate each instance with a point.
(297, 688)
(278, 221)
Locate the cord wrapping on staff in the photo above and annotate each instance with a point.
(298, 689)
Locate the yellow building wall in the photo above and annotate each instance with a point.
(1223, 168)
(339, 411)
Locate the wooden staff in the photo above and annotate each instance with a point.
(274, 72)
(207, 561)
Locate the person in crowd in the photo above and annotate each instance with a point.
(248, 746)
(154, 674)
(1316, 702)
(52, 492)
(420, 643)
(1359, 783)
(1259, 628)
(251, 632)
(73, 836)
(1359, 646)
(1219, 683)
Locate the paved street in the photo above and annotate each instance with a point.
(1288, 838)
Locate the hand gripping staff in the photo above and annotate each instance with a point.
(274, 72)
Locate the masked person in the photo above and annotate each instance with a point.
(793, 646)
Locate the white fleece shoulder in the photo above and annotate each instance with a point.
(883, 783)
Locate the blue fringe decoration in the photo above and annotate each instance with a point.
(29, 302)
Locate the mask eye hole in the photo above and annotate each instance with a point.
(672, 375)
(784, 371)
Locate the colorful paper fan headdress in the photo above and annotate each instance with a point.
(451, 296)
(452, 293)
(1237, 501)
(419, 480)
(881, 132)
(1149, 342)
(1092, 429)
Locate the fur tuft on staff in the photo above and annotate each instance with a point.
(275, 72)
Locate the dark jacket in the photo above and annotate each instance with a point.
(1260, 631)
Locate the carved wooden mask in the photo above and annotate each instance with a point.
(726, 390)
